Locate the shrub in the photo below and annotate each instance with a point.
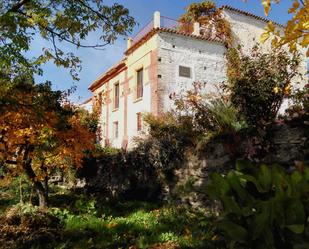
(300, 102)
(263, 207)
(207, 114)
(24, 226)
(121, 174)
(258, 82)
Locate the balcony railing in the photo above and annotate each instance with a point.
(169, 23)
(162, 22)
(145, 30)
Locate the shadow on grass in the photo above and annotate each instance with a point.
(139, 229)
(90, 223)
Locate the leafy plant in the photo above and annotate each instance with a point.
(295, 32)
(263, 207)
(38, 133)
(56, 22)
(226, 117)
(207, 114)
(208, 15)
(300, 104)
(258, 83)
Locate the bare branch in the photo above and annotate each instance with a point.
(96, 12)
(17, 6)
(61, 37)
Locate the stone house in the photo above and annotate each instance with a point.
(165, 57)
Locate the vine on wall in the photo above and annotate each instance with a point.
(209, 17)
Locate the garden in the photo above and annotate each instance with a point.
(230, 171)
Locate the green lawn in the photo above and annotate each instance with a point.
(90, 223)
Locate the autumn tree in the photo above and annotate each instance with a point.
(39, 130)
(39, 133)
(296, 30)
(210, 17)
(59, 22)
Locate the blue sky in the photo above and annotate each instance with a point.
(95, 62)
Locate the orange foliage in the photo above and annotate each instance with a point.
(38, 133)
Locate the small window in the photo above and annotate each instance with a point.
(116, 129)
(184, 71)
(139, 121)
(100, 98)
(139, 84)
(116, 95)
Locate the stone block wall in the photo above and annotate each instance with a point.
(286, 145)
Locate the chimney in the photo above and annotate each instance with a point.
(156, 19)
(196, 28)
(129, 42)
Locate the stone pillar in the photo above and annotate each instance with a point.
(196, 28)
(129, 42)
(156, 19)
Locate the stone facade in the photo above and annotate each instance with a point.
(161, 52)
(205, 59)
(286, 144)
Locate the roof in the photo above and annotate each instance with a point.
(103, 77)
(121, 65)
(86, 101)
(227, 7)
(173, 31)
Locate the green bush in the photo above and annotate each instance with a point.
(258, 82)
(300, 106)
(225, 115)
(263, 207)
(203, 114)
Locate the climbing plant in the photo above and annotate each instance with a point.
(210, 17)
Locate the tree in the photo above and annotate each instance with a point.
(39, 133)
(58, 22)
(208, 15)
(297, 29)
(258, 83)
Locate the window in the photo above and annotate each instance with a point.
(115, 129)
(100, 99)
(116, 95)
(139, 121)
(185, 71)
(139, 84)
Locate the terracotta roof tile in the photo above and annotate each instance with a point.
(106, 74)
(173, 31)
(153, 31)
(227, 7)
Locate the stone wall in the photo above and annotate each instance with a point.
(206, 60)
(286, 144)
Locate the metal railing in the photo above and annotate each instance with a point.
(169, 23)
(145, 30)
(165, 22)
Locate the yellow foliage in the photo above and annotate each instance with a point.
(208, 15)
(296, 32)
(266, 4)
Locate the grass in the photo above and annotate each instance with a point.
(91, 223)
(137, 228)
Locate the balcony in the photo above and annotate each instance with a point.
(167, 23)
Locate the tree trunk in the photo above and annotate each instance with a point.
(42, 194)
(21, 199)
(43, 199)
(40, 190)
